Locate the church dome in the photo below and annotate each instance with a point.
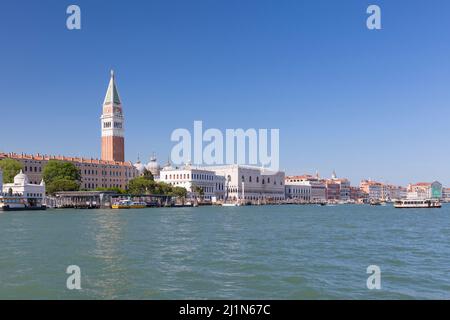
(153, 166)
(139, 166)
(21, 179)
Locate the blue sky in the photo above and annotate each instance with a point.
(369, 104)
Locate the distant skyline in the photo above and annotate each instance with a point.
(367, 104)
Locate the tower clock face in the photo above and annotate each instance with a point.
(107, 109)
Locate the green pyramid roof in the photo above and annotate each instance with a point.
(112, 95)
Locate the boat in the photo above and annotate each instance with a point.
(17, 203)
(374, 202)
(236, 204)
(128, 204)
(418, 203)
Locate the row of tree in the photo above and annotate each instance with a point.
(65, 176)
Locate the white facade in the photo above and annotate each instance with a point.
(318, 187)
(33, 194)
(298, 191)
(446, 194)
(188, 177)
(251, 184)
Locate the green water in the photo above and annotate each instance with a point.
(265, 252)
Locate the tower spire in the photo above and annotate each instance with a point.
(112, 94)
(112, 124)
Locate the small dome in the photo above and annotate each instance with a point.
(21, 179)
(153, 166)
(139, 167)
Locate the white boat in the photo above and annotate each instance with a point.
(17, 203)
(231, 204)
(418, 203)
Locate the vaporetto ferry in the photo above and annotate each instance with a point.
(418, 203)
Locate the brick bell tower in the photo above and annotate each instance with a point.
(113, 142)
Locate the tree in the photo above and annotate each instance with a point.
(163, 188)
(10, 168)
(62, 185)
(179, 192)
(113, 189)
(198, 191)
(148, 174)
(56, 170)
(140, 185)
(61, 176)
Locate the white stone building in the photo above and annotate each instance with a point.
(252, 184)
(188, 177)
(33, 194)
(298, 191)
(446, 194)
(317, 186)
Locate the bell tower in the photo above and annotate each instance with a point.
(113, 142)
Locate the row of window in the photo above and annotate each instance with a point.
(34, 195)
(103, 179)
(103, 185)
(299, 191)
(32, 169)
(111, 173)
(263, 181)
(195, 176)
(218, 186)
(117, 125)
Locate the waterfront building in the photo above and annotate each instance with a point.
(425, 190)
(391, 192)
(372, 188)
(344, 187)
(446, 194)
(94, 173)
(358, 195)
(189, 177)
(318, 187)
(298, 191)
(333, 190)
(112, 122)
(253, 184)
(32, 194)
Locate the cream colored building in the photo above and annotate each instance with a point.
(252, 184)
(298, 191)
(189, 177)
(317, 186)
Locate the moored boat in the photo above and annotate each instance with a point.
(128, 204)
(17, 203)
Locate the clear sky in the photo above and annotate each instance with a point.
(369, 104)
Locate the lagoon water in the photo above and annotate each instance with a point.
(259, 252)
